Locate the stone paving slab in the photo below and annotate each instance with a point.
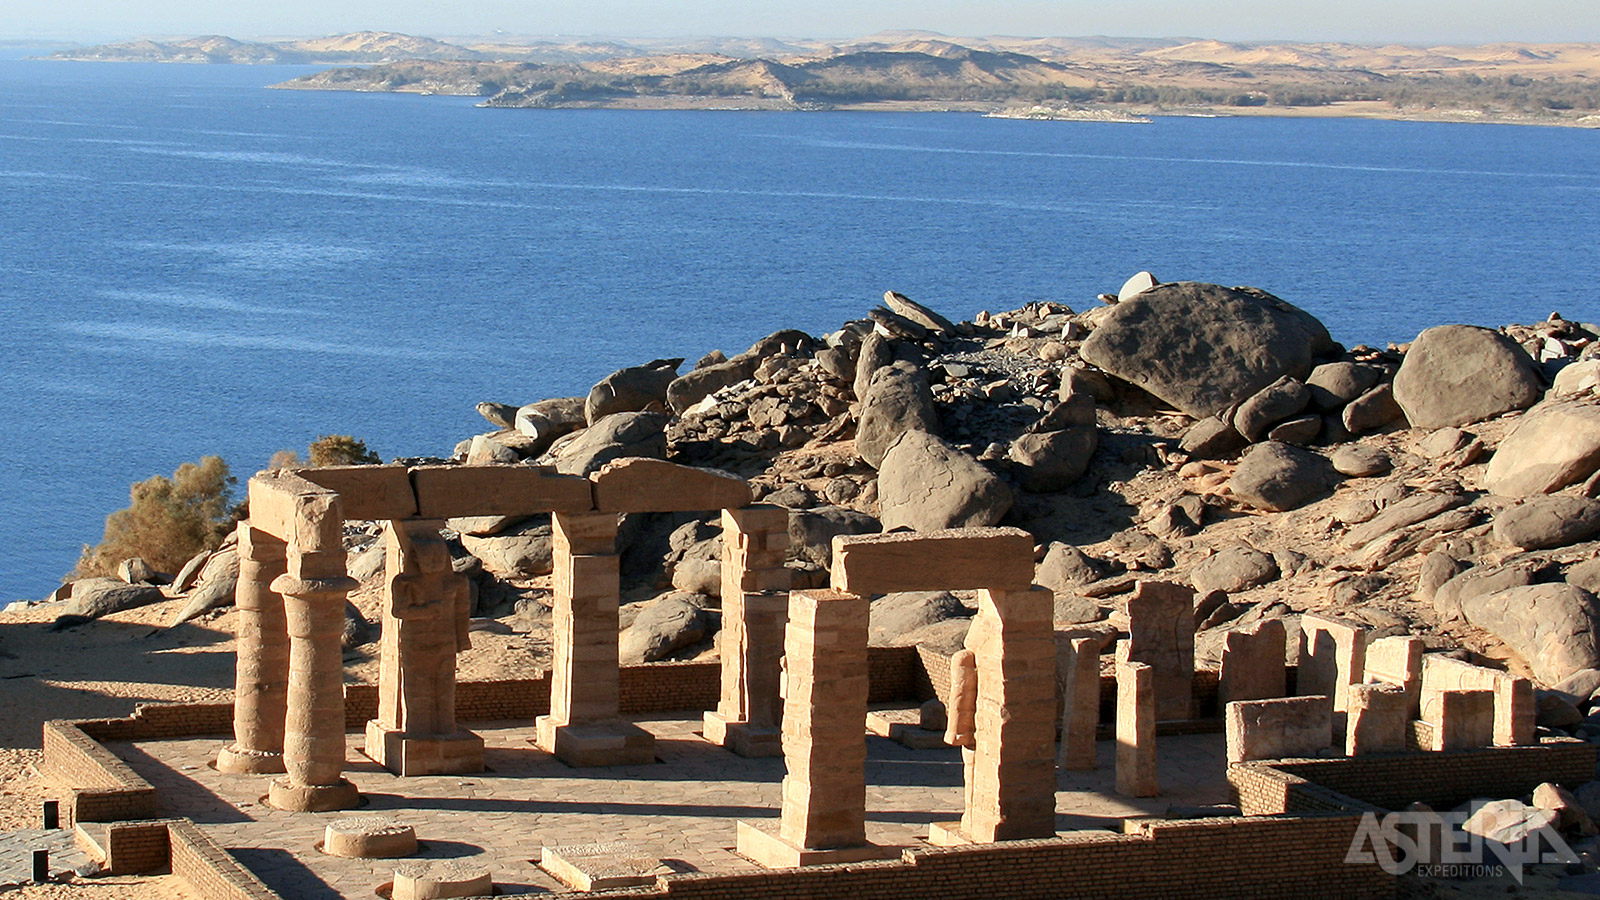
(682, 810)
(16, 854)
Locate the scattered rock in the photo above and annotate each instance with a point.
(926, 484)
(667, 623)
(1574, 379)
(218, 582)
(1556, 444)
(1299, 431)
(916, 312)
(550, 419)
(1403, 514)
(1233, 570)
(1357, 461)
(1508, 821)
(1277, 477)
(135, 570)
(688, 389)
(1334, 384)
(1203, 347)
(1438, 567)
(96, 597)
(893, 616)
(1476, 581)
(897, 401)
(633, 389)
(1586, 575)
(1053, 460)
(1065, 567)
(1542, 522)
(1138, 284)
(1277, 401)
(1551, 626)
(811, 531)
(1371, 411)
(500, 415)
(520, 552)
(614, 437)
(1456, 374)
(1556, 711)
(1212, 438)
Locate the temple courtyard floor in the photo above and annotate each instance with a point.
(683, 809)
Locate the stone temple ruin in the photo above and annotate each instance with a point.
(1290, 758)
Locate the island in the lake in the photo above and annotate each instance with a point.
(1084, 79)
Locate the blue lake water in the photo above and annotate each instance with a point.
(191, 264)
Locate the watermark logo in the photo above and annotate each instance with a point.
(1438, 845)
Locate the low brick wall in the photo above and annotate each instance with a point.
(127, 848)
(104, 788)
(211, 871)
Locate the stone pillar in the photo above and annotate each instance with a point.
(755, 606)
(426, 618)
(1460, 720)
(1333, 656)
(1398, 661)
(1378, 719)
(583, 727)
(1253, 663)
(1280, 728)
(1137, 699)
(261, 646)
(823, 818)
(314, 590)
(1080, 706)
(1012, 790)
(1161, 635)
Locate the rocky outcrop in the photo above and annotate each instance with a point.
(1556, 444)
(1457, 374)
(1204, 347)
(1278, 477)
(898, 400)
(613, 437)
(926, 484)
(632, 389)
(1551, 626)
(1053, 460)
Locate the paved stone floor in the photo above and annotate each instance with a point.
(16, 854)
(683, 809)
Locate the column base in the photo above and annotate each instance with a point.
(431, 754)
(613, 743)
(599, 867)
(742, 738)
(312, 797)
(948, 834)
(235, 760)
(760, 843)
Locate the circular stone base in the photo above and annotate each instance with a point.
(235, 761)
(312, 797)
(369, 837)
(438, 878)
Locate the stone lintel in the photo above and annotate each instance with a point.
(303, 514)
(430, 754)
(450, 492)
(613, 743)
(760, 843)
(955, 559)
(1515, 709)
(368, 492)
(637, 484)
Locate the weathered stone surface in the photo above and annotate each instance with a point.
(1512, 706)
(958, 559)
(1509, 822)
(1204, 347)
(1551, 626)
(876, 353)
(218, 581)
(897, 401)
(655, 485)
(1277, 401)
(688, 389)
(1281, 728)
(1372, 410)
(1548, 522)
(1300, 431)
(1555, 444)
(1253, 663)
(1161, 635)
(1065, 567)
(1377, 720)
(1136, 285)
(1232, 570)
(1416, 508)
(665, 624)
(895, 615)
(103, 596)
(1212, 438)
(520, 552)
(1456, 374)
(614, 437)
(1356, 461)
(1586, 575)
(1334, 384)
(1333, 656)
(632, 389)
(1480, 580)
(1582, 377)
(916, 312)
(1136, 727)
(1278, 477)
(926, 484)
(1053, 460)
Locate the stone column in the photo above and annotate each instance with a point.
(1136, 726)
(755, 606)
(314, 590)
(1378, 719)
(1253, 663)
(426, 619)
(583, 727)
(1012, 792)
(261, 647)
(1161, 635)
(823, 818)
(1333, 656)
(1080, 708)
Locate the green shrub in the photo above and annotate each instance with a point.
(168, 520)
(341, 450)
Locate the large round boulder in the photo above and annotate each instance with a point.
(631, 390)
(1456, 374)
(1278, 477)
(1053, 460)
(1204, 347)
(614, 437)
(1555, 444)
(1551, 626)
(897, 401)
(926, 484)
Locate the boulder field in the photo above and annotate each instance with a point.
(1212, 436)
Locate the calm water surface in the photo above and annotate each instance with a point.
(192, 264)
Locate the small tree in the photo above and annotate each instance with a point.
(168, 520)
(341, 450)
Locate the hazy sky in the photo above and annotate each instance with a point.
(1409, 21)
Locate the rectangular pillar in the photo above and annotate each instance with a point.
(1161, 635)
(1333, 656)
(1282, 728)
(1253, 663)
(1137, 699)
(583, 727)
(1080, 707)
(1515, 710)
(755, 606)
(1378, 719)
(1398, 661)
(823, 816)
(1461, 720)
